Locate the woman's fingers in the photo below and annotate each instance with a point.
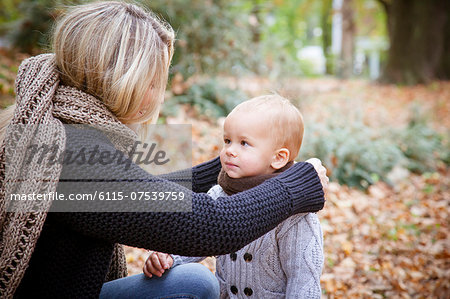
(321, 171)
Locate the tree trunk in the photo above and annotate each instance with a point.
(255, 27)
(348, 40)
(417, 31)
(444, 70)
(327, 6)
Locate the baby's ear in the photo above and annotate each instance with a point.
(281, 158)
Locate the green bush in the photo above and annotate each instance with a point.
(212, 36)
(358, 155)
(423, 147)
(209, 98)
(28, 29)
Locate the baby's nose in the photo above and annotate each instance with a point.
(231, 151)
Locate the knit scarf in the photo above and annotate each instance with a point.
(42, 106)
(231, 186)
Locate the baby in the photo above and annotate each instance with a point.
(262, 137)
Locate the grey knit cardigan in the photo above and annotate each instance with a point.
(284, 263)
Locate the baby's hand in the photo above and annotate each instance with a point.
(157, 263)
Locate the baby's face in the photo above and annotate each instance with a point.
(248, 149)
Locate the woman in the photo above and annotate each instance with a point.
(109, 69)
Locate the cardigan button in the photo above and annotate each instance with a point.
(248, 291)
(234, 290)
(248, 257)
(233, 256)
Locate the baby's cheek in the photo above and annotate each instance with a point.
(248, 164)
(222, 155)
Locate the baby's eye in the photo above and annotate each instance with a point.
(226, 141)
(244, 143)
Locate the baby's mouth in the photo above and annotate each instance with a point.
(230, 165)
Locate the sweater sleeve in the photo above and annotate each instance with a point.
(200, 177)
(213, 227)
(181, 260)
(214, 192)
(301, 255)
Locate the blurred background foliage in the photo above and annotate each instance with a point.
(279, 37)
(233, 37)
(208, 98)
(361, 155)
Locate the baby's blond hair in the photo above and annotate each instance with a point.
(283, 119)
(115, 51)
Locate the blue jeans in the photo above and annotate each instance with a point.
(193, 281)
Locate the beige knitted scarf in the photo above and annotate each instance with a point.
(41, 100)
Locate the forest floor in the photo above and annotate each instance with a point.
(387, 242)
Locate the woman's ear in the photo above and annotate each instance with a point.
(281, 158)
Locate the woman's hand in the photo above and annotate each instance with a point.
(321, 171)
(157, 263)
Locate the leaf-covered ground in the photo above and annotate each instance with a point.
(388, 242)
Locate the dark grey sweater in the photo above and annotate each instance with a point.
(73, 253)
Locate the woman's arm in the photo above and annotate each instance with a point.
(198, 178)
(204, 175)
(213, 227)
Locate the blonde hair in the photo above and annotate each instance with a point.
(283, 120)
(116, 52)
(5, 118)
